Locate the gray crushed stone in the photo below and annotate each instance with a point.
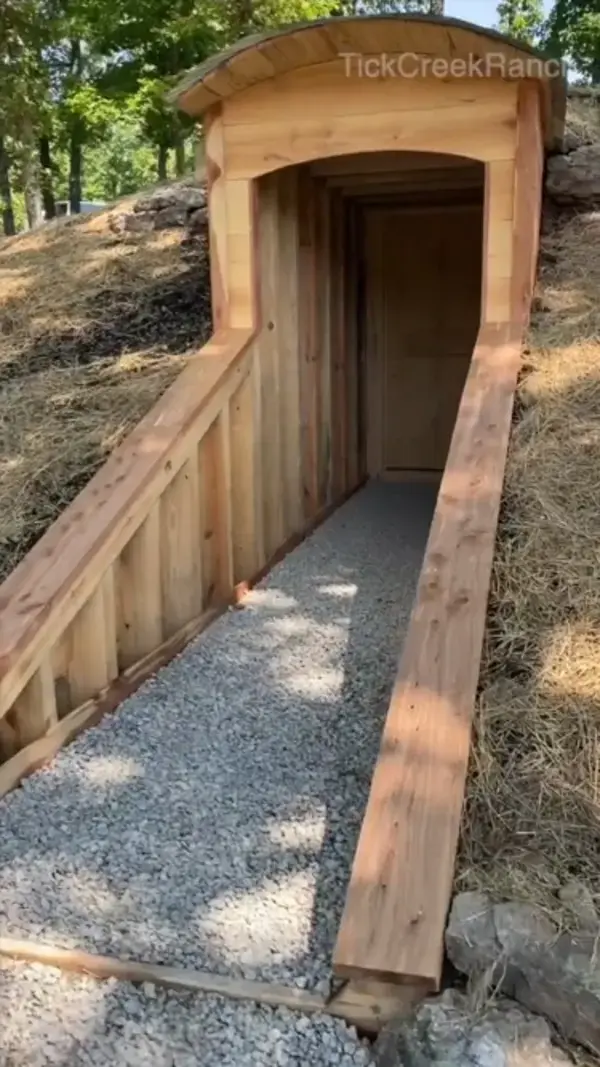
(49, 1019)
(211, 821)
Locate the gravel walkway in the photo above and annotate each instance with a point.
(211, 821)
(49, 1019)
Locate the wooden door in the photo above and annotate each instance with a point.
(422, 310)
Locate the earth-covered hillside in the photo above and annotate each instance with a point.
(98, 313)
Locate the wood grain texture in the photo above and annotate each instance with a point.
(529, 164)
(337, 345)
(308, 338)
(217, 217)
(311, 92)
(397, 902)
(245, 535)
(35, 711)
(356, 464)
(368, 1005)
(240, 199)
(140, 626)
(482, 130)
(46, 591)
(215, 474)
(327, 53)
(270, 366)
(287, 338)
(181, 548)
(423, 270)
(323, 340)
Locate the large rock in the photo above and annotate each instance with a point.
(185, 196)
(448, 1031)
(575, 178)
(515, 948)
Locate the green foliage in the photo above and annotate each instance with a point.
(573, 32)
(91, 76)
(522, 19)
(400, 7)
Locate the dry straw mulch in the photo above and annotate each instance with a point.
(93, 327)
(532, 818)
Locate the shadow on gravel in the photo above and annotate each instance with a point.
(212, 821)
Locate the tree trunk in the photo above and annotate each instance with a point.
(46, 178)
(180, 156)
(75, 166)
(163, 155)
(243, 18)
(77, 137)
(31, 174)
(8, 215)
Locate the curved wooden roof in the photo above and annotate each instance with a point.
(261, 56)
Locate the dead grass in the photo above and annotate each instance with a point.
(93, 327)
(532, 818)
(583, 118)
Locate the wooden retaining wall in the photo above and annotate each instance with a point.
(241, 456)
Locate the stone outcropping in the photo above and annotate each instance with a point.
(574, 179)
(180, 204)
(516, 949)
(448, 1031)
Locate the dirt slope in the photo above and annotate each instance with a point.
(532, 819)
(94, 324)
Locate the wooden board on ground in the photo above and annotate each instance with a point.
(367, 1006)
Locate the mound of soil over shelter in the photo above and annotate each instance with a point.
(94, 325)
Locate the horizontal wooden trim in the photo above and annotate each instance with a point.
(367, 1008)
(393, 922)
(48, 588)
(35, 755)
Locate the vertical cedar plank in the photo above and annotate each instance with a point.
(215, 483)
(288, 352)
(240, 197)
(374, 321)
(89, 661)
(139, 622)
(527, 200)
(243, 460)
(323, 272)
(110, 623)
(337, 350)
(259, 443)
(217, 216)
(497, 265)
(270, 425)
(308, 342)
(34, 712)
(356, 465)
(181, 549)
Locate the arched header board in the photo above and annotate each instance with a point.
(388, 47)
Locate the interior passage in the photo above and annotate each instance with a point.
(212, 820)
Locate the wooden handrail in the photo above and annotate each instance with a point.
(47, 589)
(395, 912)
